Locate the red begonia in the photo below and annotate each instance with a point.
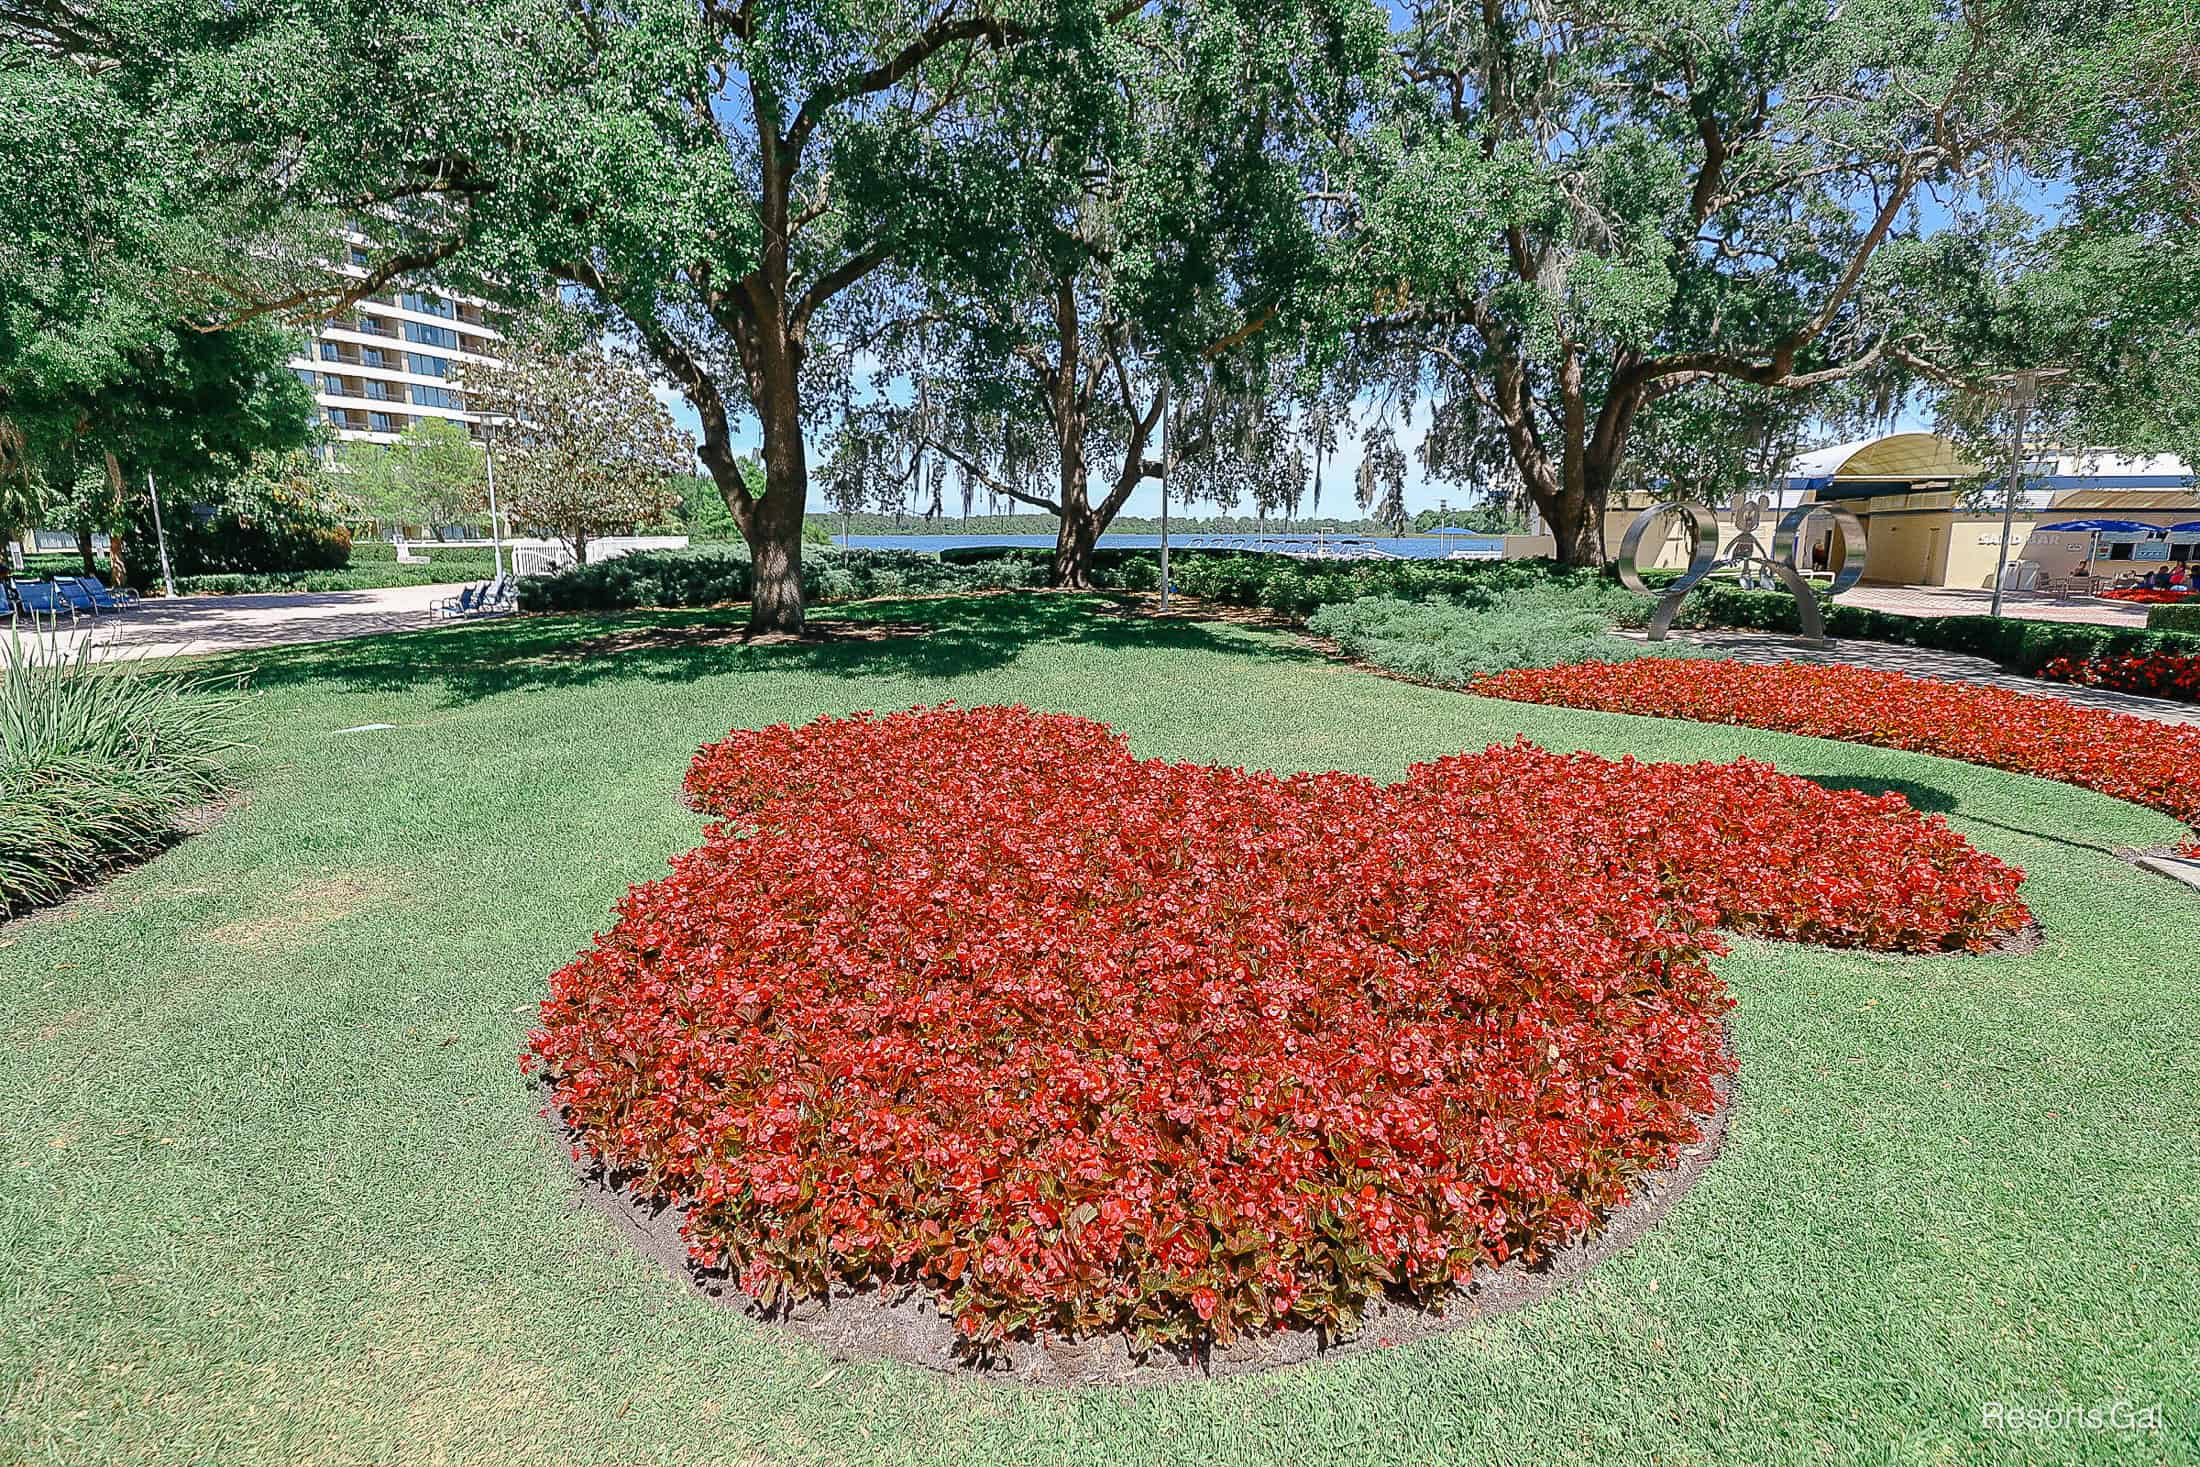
(1080, 1042)
(2156, 675)
(2143, 760)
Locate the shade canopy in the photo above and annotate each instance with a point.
(2106, 527)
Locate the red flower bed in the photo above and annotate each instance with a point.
(2158, 676)
(2145, 595)
(1083, 1042)
(2137, 759)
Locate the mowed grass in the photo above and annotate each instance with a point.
(276, 1192)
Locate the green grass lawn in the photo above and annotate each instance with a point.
(275, 1191)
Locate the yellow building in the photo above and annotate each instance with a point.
(1905, 487)
(2077, 513)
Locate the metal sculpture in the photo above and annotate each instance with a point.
(1753, 567)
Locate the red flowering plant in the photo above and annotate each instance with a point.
(2159, 675)
(1079, 1042)
(2142, 760)
(2146, 595)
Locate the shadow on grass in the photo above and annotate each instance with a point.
(1921, 796)
(1936, 800)
(947, 637)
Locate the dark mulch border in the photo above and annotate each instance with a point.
(902, 1323)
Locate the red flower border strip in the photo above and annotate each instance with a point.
(2137, 759)
(1082, 1042)
(2156, 675)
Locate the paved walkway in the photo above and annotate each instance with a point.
(1926, 662)
(159, 627)
(1957, 601)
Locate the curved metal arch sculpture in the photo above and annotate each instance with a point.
(1753, 564)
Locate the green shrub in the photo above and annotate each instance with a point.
(1296, 587)
(1451, 641)
(720, 575)
(45, 564)
(363, 578)
(250, 533)
(2185, 618)
(2010, 642)
(97, 762)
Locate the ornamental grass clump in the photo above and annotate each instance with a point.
(976, 1001)
(1452, 641)
(97, 764)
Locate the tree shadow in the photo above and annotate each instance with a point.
(1935, 800)
(1927, 797)
(928, 638)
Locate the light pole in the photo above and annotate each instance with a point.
(2021, 387)
(1168, 448)
(489, 466)
(160, 538)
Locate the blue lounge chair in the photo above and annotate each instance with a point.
(462, 605)
(94, 591)
(120, 595)
(39, 598)
(78, 598)
(498, 597)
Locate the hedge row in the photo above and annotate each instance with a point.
(1281, 583)
(449, 557)
(720, 575)
(2015, 644)
(2185, 618)
(366, 578)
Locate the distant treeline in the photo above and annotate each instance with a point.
(1041, 523)
(702, 515)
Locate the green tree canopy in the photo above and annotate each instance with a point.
(1577, 211)
(711, 182)
(583, 446)
(434, 474)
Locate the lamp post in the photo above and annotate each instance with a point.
(160, 538)
(489, 466)
(1168, 450)
(2022, 388)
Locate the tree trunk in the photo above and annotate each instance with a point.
(84, 549)
(118, 568)
(1080, 525)
(579, 542)
(775, 554)
(1572, 507)
(772, 523)
(1073, 542)
(1577, 527)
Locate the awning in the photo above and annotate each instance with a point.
(2108, 527)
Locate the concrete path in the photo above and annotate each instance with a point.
(1926, 662)
(1957, 601)
(159, 627)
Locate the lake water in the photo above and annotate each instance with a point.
(1417, 548)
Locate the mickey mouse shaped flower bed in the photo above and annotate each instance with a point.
(1078, 1043)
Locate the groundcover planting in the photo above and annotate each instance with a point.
(1083, 1042)
(2136, 759)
